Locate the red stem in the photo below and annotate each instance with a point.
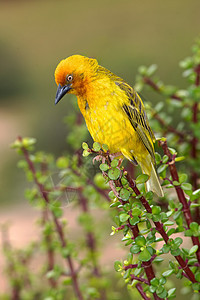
(91, 244)
(195, 141)
(150, 82)
(56, 222)
(182, 136)
(148, 268)
(142, 293)
(50, 251)
(181, 195)
(160, 229)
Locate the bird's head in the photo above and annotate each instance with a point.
(73, 75)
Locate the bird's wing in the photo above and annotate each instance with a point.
(134, 109)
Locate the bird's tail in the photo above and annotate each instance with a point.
(153, 183)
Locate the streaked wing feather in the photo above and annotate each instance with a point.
(137, 116)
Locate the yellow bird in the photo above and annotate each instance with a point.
(113, 111)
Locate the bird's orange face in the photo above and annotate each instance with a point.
(73, 75)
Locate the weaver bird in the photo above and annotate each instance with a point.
(113, 111)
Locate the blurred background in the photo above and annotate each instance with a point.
(36, 35)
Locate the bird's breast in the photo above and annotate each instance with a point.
(106, 121)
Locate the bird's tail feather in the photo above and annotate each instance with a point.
(153, 183)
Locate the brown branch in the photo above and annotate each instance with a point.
(89, 181)
(155, 87)
(15, 288)
(194, 142)
(147, 265)
(180, 194)
(91, 243)
(58, 226)
(160, 229)
(142, 293)
(50, 251)
(133, 277)
(148, 268)
(169, 128)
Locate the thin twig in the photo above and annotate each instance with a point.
(194, 141)
(148, 268)
(181, 195)
(151, 83)
(58, 226)
(141, 291)
(160, 229)
(91, 244)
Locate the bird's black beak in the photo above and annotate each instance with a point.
(61, 91)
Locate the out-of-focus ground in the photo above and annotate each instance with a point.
(23, 229)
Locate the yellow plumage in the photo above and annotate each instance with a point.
(113, 111)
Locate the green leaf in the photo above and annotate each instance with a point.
(167, 273)
(124, 217)
(165, 159)
(140, 240)
(194, 226)
(180, 158)
(142, 70)
(86, 153)
(142, 178)
(112, 196)
(136, 211)
(151, 70)
(172, 151)
(152, 289)
(151, 250)
(162, 168)
(186, 186)
(62, 162)
(178, 241)
(176, 183)
(193, 250)
(196, 286)
(155, 282)
(171, 231)
(28, 142)
(163, 294)
(197, 276)
(196, 192)
(118, 266)
(114, 174)
(156, 210)
(171, 292)
(165, 248)
(176, 252)
(104, 167)
(85, 146)
(183, 177)
(96, 146)
(157, 158)
(105, 147)
(114, 163)
(144, 255)
(135, 249)
(188, 232)
(124, 194)
(160, 289)
(162, 280)
(134, 220)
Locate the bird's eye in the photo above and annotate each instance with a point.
(69, 77)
